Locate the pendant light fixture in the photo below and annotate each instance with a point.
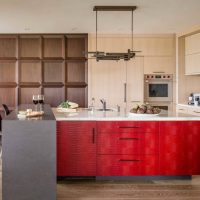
(100, 55)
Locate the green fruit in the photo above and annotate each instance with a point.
(133, 110)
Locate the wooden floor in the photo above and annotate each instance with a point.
(136, 190)
(129, 190)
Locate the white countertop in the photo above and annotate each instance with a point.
(85, 115)
(189, 106)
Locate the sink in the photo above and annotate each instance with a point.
(107, 109)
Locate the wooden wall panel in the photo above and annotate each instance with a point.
(54, 96)
(8, 47)
(30, 47)
(8, 71)
(26, 94)
(8, 96)
(53, 71)
(35, 63)
(75, 47)
(78, 95)
(76, 71)
(53, 47)
(30, 71)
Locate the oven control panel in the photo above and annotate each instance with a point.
(158, 76)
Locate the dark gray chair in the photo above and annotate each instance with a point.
(6, 109)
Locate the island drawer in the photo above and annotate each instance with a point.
(127, 165)
(128, 143)
(126, 126)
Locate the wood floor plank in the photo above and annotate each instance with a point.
(131, 190)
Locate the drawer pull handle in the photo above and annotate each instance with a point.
(129, 127)
(129, 138)
(93, 135)
(127, 160)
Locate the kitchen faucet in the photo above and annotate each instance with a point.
(103, 101)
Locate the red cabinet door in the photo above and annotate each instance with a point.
(127, 148)
(76, 148)
(173, 149)
(192, 136)
(128, 143)
(127, 165)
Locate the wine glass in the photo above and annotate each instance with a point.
(41, 100)
(35, 101)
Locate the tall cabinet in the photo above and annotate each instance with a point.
(119, 82)
(52, 64)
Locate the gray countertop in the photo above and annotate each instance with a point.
(48, 114)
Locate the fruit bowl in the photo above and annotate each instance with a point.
(145, 109)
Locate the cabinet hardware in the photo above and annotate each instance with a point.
(93, 135)
(129, 127)
(127, 160)
(125, 99)
(128, 138)
(161, 72)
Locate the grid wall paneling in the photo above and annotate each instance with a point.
(52, 64)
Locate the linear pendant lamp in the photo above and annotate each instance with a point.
(126, 56)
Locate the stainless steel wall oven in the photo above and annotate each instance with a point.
(158, 87)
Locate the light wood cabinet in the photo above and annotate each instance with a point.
(161, 64)
(192, 64)
(107, 81)
(192, 54)
(119, 83)
(135, 81)
(192, 44)
(107, 78)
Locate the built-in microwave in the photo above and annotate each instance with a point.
(158, 87)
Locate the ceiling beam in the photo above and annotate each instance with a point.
(114, 8)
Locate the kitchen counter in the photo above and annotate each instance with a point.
(29, 156)
(48, 115)
(85, 115)
(189, 106)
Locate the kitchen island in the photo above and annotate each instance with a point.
(109, 145)
(29, 156)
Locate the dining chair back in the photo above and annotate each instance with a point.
(6, 109)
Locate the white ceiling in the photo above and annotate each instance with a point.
(67, 16)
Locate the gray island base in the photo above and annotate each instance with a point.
(29, 157)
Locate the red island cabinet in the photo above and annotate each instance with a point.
(127, 148)
(180, 148)
(192, 135)
(173, 149)
(76, 148)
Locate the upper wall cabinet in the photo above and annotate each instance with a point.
(192, 44)
(192, 54)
